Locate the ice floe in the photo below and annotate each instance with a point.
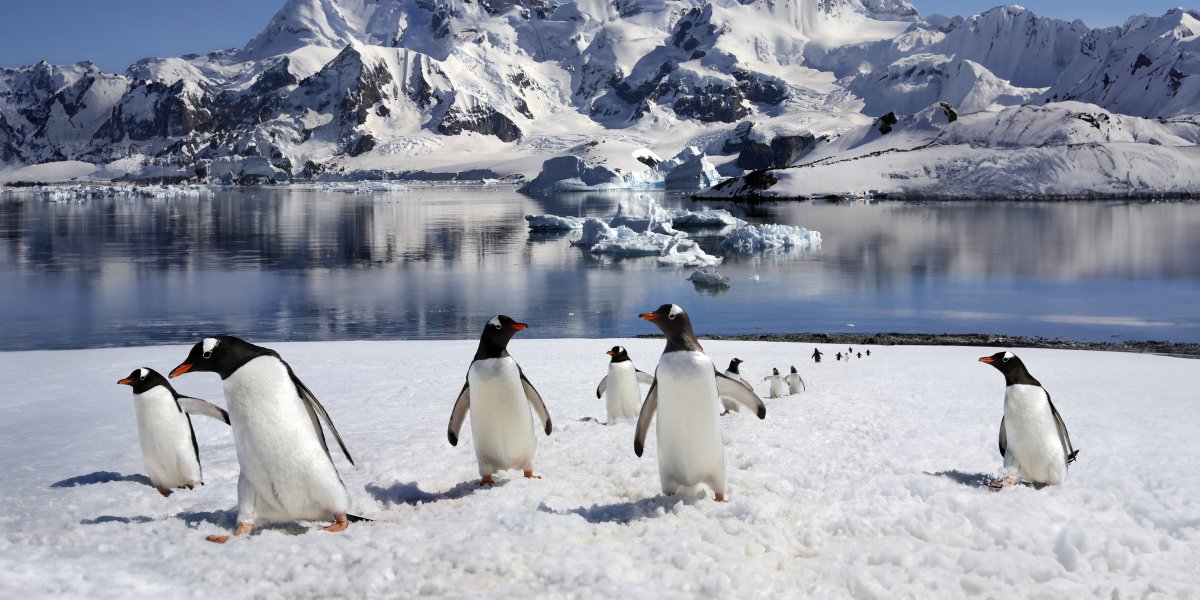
(766, 238)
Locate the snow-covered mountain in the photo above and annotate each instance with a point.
(384, 88)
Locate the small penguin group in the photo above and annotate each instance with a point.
(286, 470)
(795, 383)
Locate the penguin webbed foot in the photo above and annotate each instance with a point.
(1008, 481)
(242, 529)
(719, 497)
(340, 523)
(531, 475)
(164, 491)
(487, 481)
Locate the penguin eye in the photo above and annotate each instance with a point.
(671, 316)
(498, 326)
(142, 377)
(1006, 359)
(208, 354)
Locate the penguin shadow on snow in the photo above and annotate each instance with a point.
(115, 519)
(621, 512)
(979, 480)
(101, 477)
(227, 520)
(412, 495)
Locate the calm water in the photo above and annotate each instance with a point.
(280, 264)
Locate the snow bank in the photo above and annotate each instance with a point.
(766, 238)
(865, 487)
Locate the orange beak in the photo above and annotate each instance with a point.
(181, 369)
(519, 326)
(649, 316)
(610, 353)
(987, 359)
(126, 381)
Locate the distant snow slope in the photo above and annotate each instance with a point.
(373, 89)
(865, 485)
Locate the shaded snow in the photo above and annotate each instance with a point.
(865, 486)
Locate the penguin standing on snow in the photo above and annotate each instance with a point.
(621, 386)
(1033, 437)
(287, 472)
(686, 395)
(729, 404)
(169, 447)
(776, 383)
(816, 355)
(498, 396)
(794, 381)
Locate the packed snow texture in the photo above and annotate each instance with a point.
(866, 486)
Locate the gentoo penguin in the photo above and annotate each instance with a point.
(868, 352)
(165, 431)
(838, 356)
(816, 355)
(287, 472)
(685, 394)
(1033, 437)
(496, 393)
(729, 404)
(621, 386)
(776, 383)
(794, 381)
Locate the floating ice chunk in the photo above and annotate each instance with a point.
(62, 193)
(553, 223)
(687, 219)
(686, 253)
(640, 213)
(362, 187)
(689, 170)
(627, 242)
(599, 238)
(760, 238)
(710, 277)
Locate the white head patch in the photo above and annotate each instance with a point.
(495, 322)
(675, 311)
(143, 372)
(1008, 355)
(208, 345)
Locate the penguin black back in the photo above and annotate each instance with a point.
(1014, 370)
(618, 354)
(222, 354)
(145, 379)
(493, 342)
(675, 324)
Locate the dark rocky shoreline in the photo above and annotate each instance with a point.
(1180, 349)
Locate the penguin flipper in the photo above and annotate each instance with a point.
(1003, 438)
(644, 377)
(316, 410)
(737, 391)
(535, 400)
(459, 414)
(644, 418)
(196, 406)
(603, 386)
(1069, 451)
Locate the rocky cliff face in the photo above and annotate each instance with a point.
(330, 80)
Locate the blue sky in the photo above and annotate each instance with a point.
(115, 33)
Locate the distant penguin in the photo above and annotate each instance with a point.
(776, 383)
(868, 352)
(816, 355)
(839, 356)
(859, 355)
(498, 396)
(287, 472)
(624, 397)
(685, 394)
(850, 350)
(729, 404)
(794, 381)
(168, 442)
(1033, 437)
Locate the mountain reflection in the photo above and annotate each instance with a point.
(436, 262)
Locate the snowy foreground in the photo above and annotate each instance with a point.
(867, 485)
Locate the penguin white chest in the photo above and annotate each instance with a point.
(1034, 449)
(689, 428)
(501, 423)
(622, 396)
(776, 386)
(165, 435)
(276, 437)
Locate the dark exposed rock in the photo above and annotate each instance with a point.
(948, 110)
(362, 145)
(885, 123)
(481, 119)
(734, 142)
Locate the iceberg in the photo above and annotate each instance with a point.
(553, 223)
(708, 277)
(760, 238)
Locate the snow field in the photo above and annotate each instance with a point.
(854, 488)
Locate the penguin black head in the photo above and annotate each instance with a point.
(675, 324)
(775, 371)
(144, 379)
(1014, 370)
(493, 342)
(794, 369)
(222, 354)
(733, 365)
(618, 354)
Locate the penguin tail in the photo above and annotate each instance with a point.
(355, 518)
(1071, 457)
